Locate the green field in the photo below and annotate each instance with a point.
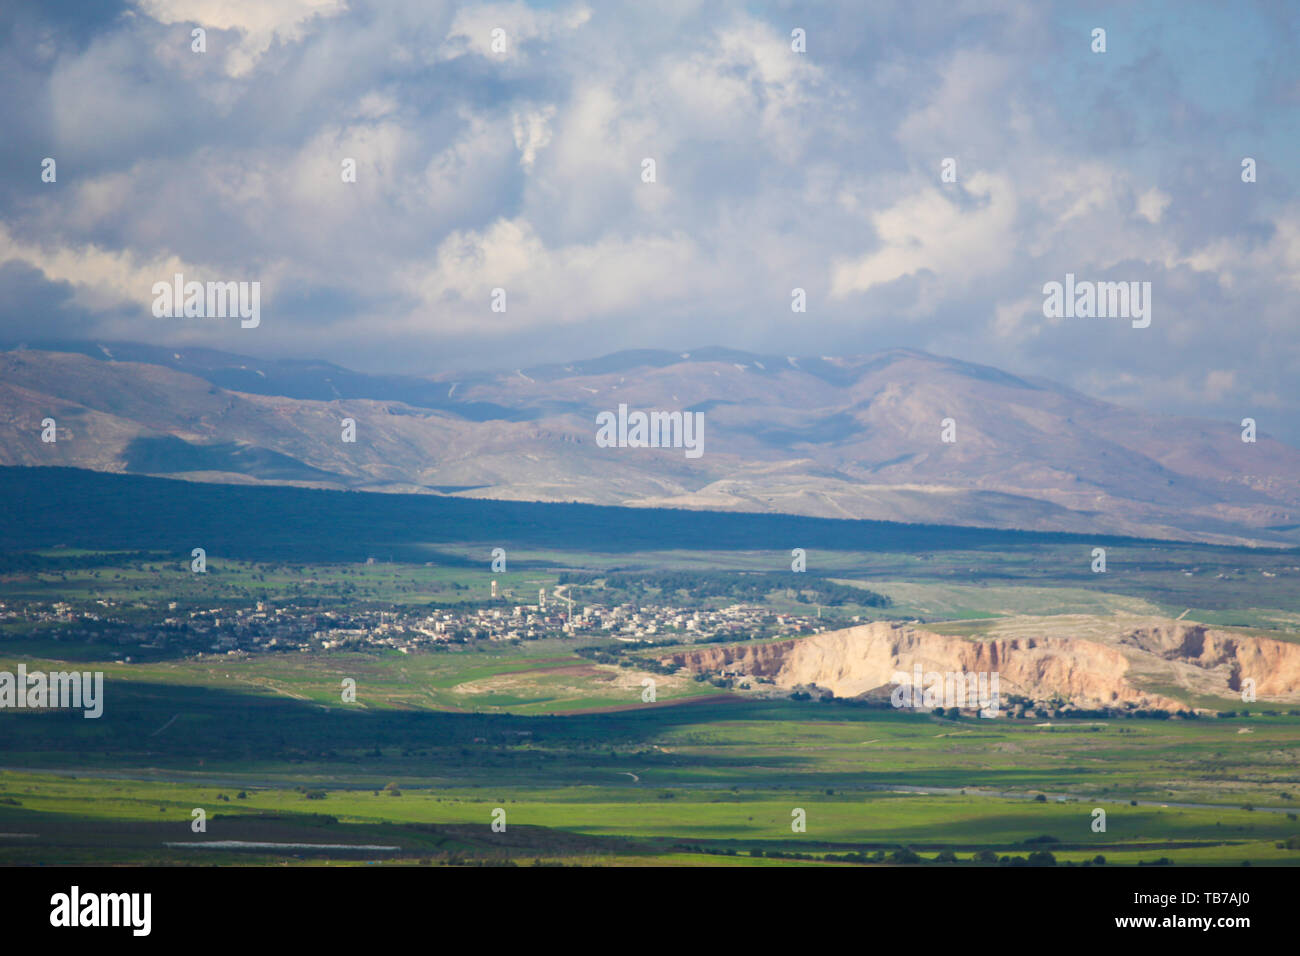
(555, 731)
(699, 779)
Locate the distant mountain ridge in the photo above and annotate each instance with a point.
(850, 437)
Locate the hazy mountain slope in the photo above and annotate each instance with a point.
(854, 437)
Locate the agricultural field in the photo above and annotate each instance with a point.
(586, 747)
(596, 779)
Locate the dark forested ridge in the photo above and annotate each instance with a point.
(751, 587)
(48, 507)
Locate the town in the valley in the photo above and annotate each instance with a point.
(266, 627)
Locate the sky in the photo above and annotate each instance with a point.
(522, 169)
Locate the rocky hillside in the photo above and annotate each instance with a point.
(1118, 670)
(853, 437)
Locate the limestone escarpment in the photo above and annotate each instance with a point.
(1088, 673)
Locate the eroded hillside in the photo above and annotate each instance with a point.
(1118, 668)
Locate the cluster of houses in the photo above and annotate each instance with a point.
(290, 627)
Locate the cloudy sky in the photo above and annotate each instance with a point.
(522, 169)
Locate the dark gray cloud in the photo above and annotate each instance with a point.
(522, 170)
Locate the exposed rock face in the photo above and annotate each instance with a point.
(1273, 665)
(1086, 673)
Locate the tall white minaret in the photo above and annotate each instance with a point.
(541, 599)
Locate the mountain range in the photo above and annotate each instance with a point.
(841, 437)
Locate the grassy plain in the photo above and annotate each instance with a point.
(585, 771)
(721, 774)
